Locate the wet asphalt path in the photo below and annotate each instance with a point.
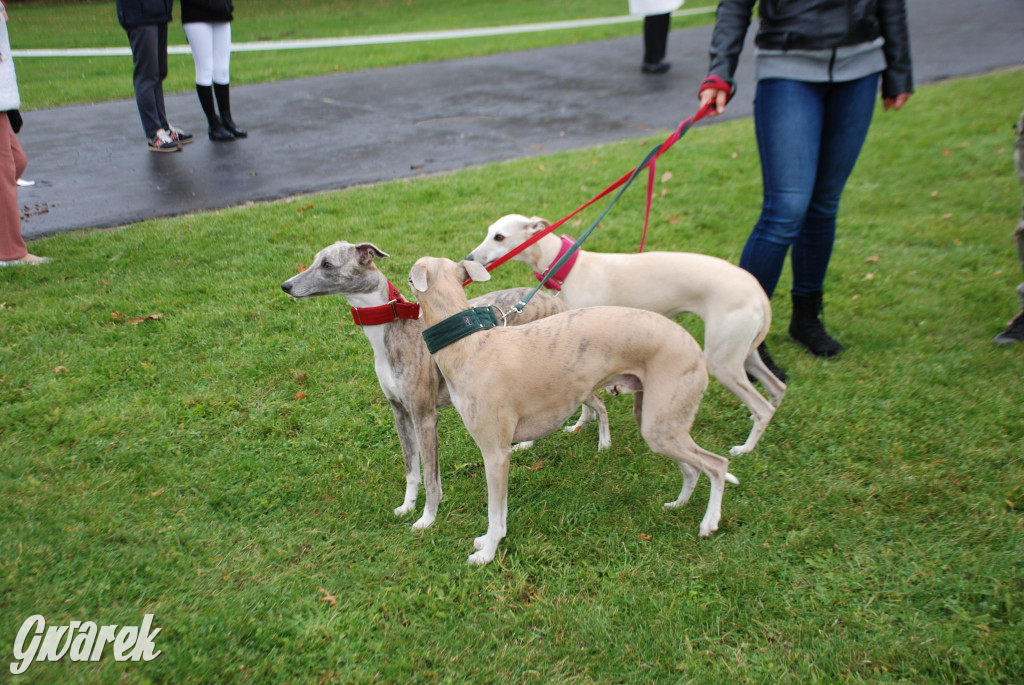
(92, 167)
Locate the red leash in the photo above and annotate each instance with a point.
(669, 142)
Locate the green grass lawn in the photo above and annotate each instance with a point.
(231, 465)
(52, 81)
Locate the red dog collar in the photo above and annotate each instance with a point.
(555, 282)
(396, 308)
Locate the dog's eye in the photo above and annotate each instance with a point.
(498, 238)
(326, 265)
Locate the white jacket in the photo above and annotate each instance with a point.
(9, 98)
(646, 7)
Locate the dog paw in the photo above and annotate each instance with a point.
(520, 446)
(575, 428)
(480, 559)
(424, 522)
(405, 508)
(480, 542)
(604, 445)
(708, 527)
(669, 506)
(739, 449)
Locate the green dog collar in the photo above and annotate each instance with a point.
(458, 326)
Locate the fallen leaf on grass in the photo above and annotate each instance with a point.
(139, 319)
(872, 259)
(645, 537)
(300, 268)
(300, 395)
(536, 465)
(329, 598)
(60, 369)
(666, 177)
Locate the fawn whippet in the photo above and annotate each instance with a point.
(521, 383)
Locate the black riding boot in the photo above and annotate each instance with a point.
(223, 93)
(806, 328)
(217, 131)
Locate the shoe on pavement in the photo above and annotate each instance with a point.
(163, 142)
(183, 137)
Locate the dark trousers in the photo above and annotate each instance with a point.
(149, 53)
(656, 37)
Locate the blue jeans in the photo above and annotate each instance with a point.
(809, 136)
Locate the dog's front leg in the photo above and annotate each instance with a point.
(496, 463)
(691, 474)
(410, 455)
(425, 420)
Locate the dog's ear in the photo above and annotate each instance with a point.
(368, 251)
(537, 224)
(475, 271)
(418, 277)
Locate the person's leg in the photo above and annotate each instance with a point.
(656, 28)
(12, 246)
(200, 42)
(1014, 332)
(787, 122)
(161, 54)
(848, 108)
(220, 62)
(222, 77)
(144, 41)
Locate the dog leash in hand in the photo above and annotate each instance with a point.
(396, 308)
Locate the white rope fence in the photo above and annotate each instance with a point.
(353, 41)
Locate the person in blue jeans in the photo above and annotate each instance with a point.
(819, 65)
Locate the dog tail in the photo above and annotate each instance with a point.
(731, 478)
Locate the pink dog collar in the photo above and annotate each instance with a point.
(555, 282)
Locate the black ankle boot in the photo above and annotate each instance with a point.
(218, 132)
(223, 93)
(806, 328)
(762, 351)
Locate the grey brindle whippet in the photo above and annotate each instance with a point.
(407, 375)
(736, 312)
(583, 349)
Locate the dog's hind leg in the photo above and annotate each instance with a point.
(593, 408)
(733, 376)
(772, 383)
(691, 474)
(665, 427)
(410, 455)
(496, 463)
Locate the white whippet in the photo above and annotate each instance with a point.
(407, 375)
(522, 383)
(736, 312)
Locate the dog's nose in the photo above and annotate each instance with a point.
(286, 286)
(470, 257)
